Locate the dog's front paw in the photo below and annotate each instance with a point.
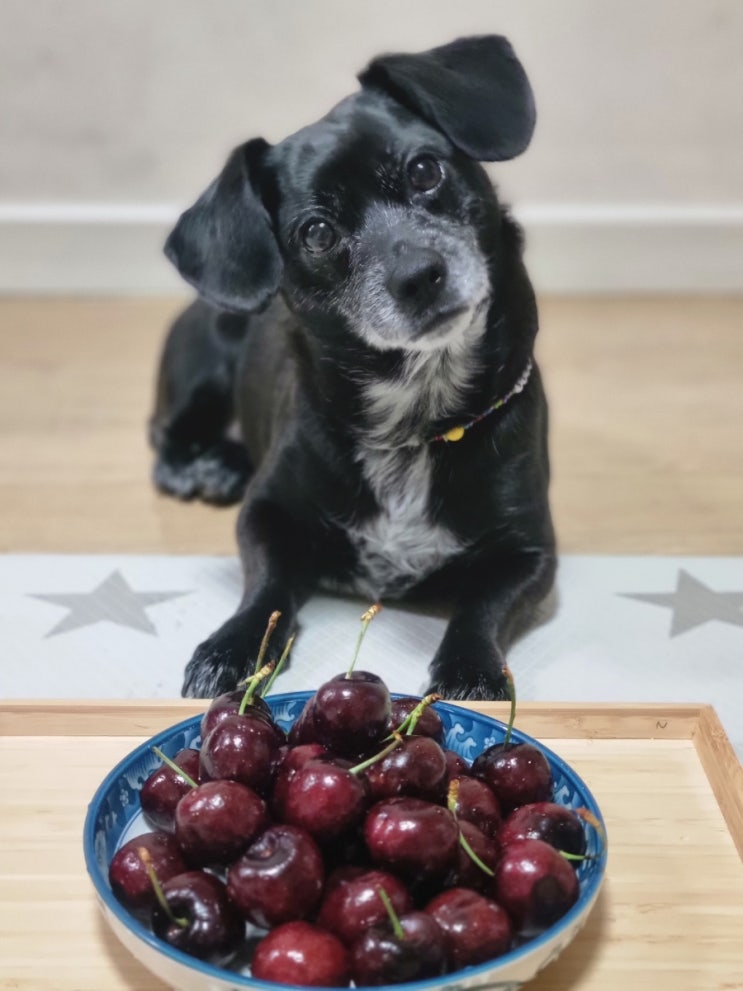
(473, 686)
(468, 666)
(214, 668)
(228, 656)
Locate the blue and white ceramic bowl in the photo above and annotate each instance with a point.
(114, 817)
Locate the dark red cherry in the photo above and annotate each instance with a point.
(517, 773)
(351, 714)
(215, 822)
(164, 788)
(476, 802)
(128, 875)
(535, 884)
(475, 928)
(557, 825)
(352, 902)
(412, 837)
(206, 923)
(301, 953)
(428, 724)
(324, 798)
(279, 878)
(417, 767)
(242, 749)
(382, 956)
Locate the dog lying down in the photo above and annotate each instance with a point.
(359, 369)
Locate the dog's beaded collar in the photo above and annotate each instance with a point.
(457, 433)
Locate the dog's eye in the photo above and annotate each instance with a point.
(425, 173)
(318, 236)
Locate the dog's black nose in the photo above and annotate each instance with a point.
(417, 276)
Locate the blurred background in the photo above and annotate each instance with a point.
(113, 116)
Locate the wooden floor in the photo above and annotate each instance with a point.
(647, 427)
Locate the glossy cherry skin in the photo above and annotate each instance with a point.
(456, 765)
(557, 825)
(215, 822)
(475, 928)
(128, 876)
(325, 799)
(289, 760)
(466, 873)
(381, 957)
(535, 884)
(429, 723)
(228, 704)
(214, 929)
(242, 749)
(352, 903)
(417, 767)
(279, 878)
(412, 837)
(351, 714)
(518, 774)
(164, 788)
(303, 954)
(477, 803)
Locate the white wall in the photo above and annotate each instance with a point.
(115, 114)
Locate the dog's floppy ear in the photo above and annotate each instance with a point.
(224, 244)
(475, 90)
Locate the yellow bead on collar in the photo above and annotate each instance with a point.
(457, 433)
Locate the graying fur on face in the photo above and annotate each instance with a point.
(366, 302)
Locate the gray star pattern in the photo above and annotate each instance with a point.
(694, 603)
(113, 600)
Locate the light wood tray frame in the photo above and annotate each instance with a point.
(669, 918)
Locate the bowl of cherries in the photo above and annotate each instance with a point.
(348, 837)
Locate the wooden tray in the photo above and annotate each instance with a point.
(670, 916)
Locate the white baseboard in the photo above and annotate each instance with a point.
(82, 248)
(584, 249)
(115, 248)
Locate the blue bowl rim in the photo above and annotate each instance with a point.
(100, 882)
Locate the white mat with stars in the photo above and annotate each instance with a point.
(617, 629)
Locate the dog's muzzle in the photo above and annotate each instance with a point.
(417, 277)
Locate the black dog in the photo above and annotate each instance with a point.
(366, 319)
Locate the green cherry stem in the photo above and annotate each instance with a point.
(277, 670)
(174, 767)
(368, 616)
(464, 843)
(377, 757)
(407, 726)
(146, 859)
(270, 627)
(394, 919)
(512, 694)
(452, 799)
(252, 684)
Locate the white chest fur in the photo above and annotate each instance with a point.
(399, 545)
